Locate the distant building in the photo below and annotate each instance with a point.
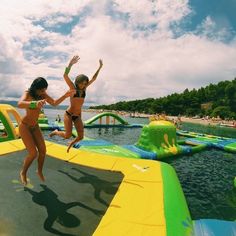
(206, 106)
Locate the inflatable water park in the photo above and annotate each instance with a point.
(105, 119)
(100, 188)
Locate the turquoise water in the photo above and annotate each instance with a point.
(210, 129)
(206, 177)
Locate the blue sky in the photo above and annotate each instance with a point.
(217, 9)
(149, 48)
(221, 11)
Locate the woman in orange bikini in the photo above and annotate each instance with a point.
(33, 100)
(73, 112)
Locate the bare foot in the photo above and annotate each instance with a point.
(23, 178)
(40, 175)
(54, 132)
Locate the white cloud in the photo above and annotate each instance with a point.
(52, 21)
(161, 12)
(216, 31)
(136, 65)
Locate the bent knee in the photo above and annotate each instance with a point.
(68, 135)
(81, 135)
(33, 154)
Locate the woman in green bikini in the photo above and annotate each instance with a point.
(73, 112)
(33, 100)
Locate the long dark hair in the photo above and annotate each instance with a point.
(79, 79)
(38, 83)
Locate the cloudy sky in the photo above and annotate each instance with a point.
(149, 48)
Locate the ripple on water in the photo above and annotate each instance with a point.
(207, 181)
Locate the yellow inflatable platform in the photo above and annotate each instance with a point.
(87, 193)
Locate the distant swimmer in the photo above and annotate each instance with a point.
(58, 119)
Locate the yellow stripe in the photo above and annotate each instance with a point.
(7, 147)
(137, 208)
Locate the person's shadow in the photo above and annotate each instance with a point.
(98, 184)
(57, 210)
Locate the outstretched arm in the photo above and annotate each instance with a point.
(74, 60)
(56, 102)
(96, 73)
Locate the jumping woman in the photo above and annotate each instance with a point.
(73, 112)
(33, 100)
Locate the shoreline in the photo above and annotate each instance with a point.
(202, 121)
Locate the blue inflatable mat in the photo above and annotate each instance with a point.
(142, 153)
(212, 227)
(97, 142)
(186, 149)
(222, 144)
(206, 142)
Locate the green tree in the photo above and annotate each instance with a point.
(223, 112)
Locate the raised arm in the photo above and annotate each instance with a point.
(56, 102)
(67, 71)
(23, 103)
(96, 73)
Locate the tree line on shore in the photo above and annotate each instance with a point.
(214, 100)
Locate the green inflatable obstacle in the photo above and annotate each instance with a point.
(159, 137)
(7, 132)
(9, 129)
(109, 119)
(107, 115)
(42, 118)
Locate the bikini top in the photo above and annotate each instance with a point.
(80, 94)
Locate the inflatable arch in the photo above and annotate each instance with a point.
(107, 115)
(7, 129)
